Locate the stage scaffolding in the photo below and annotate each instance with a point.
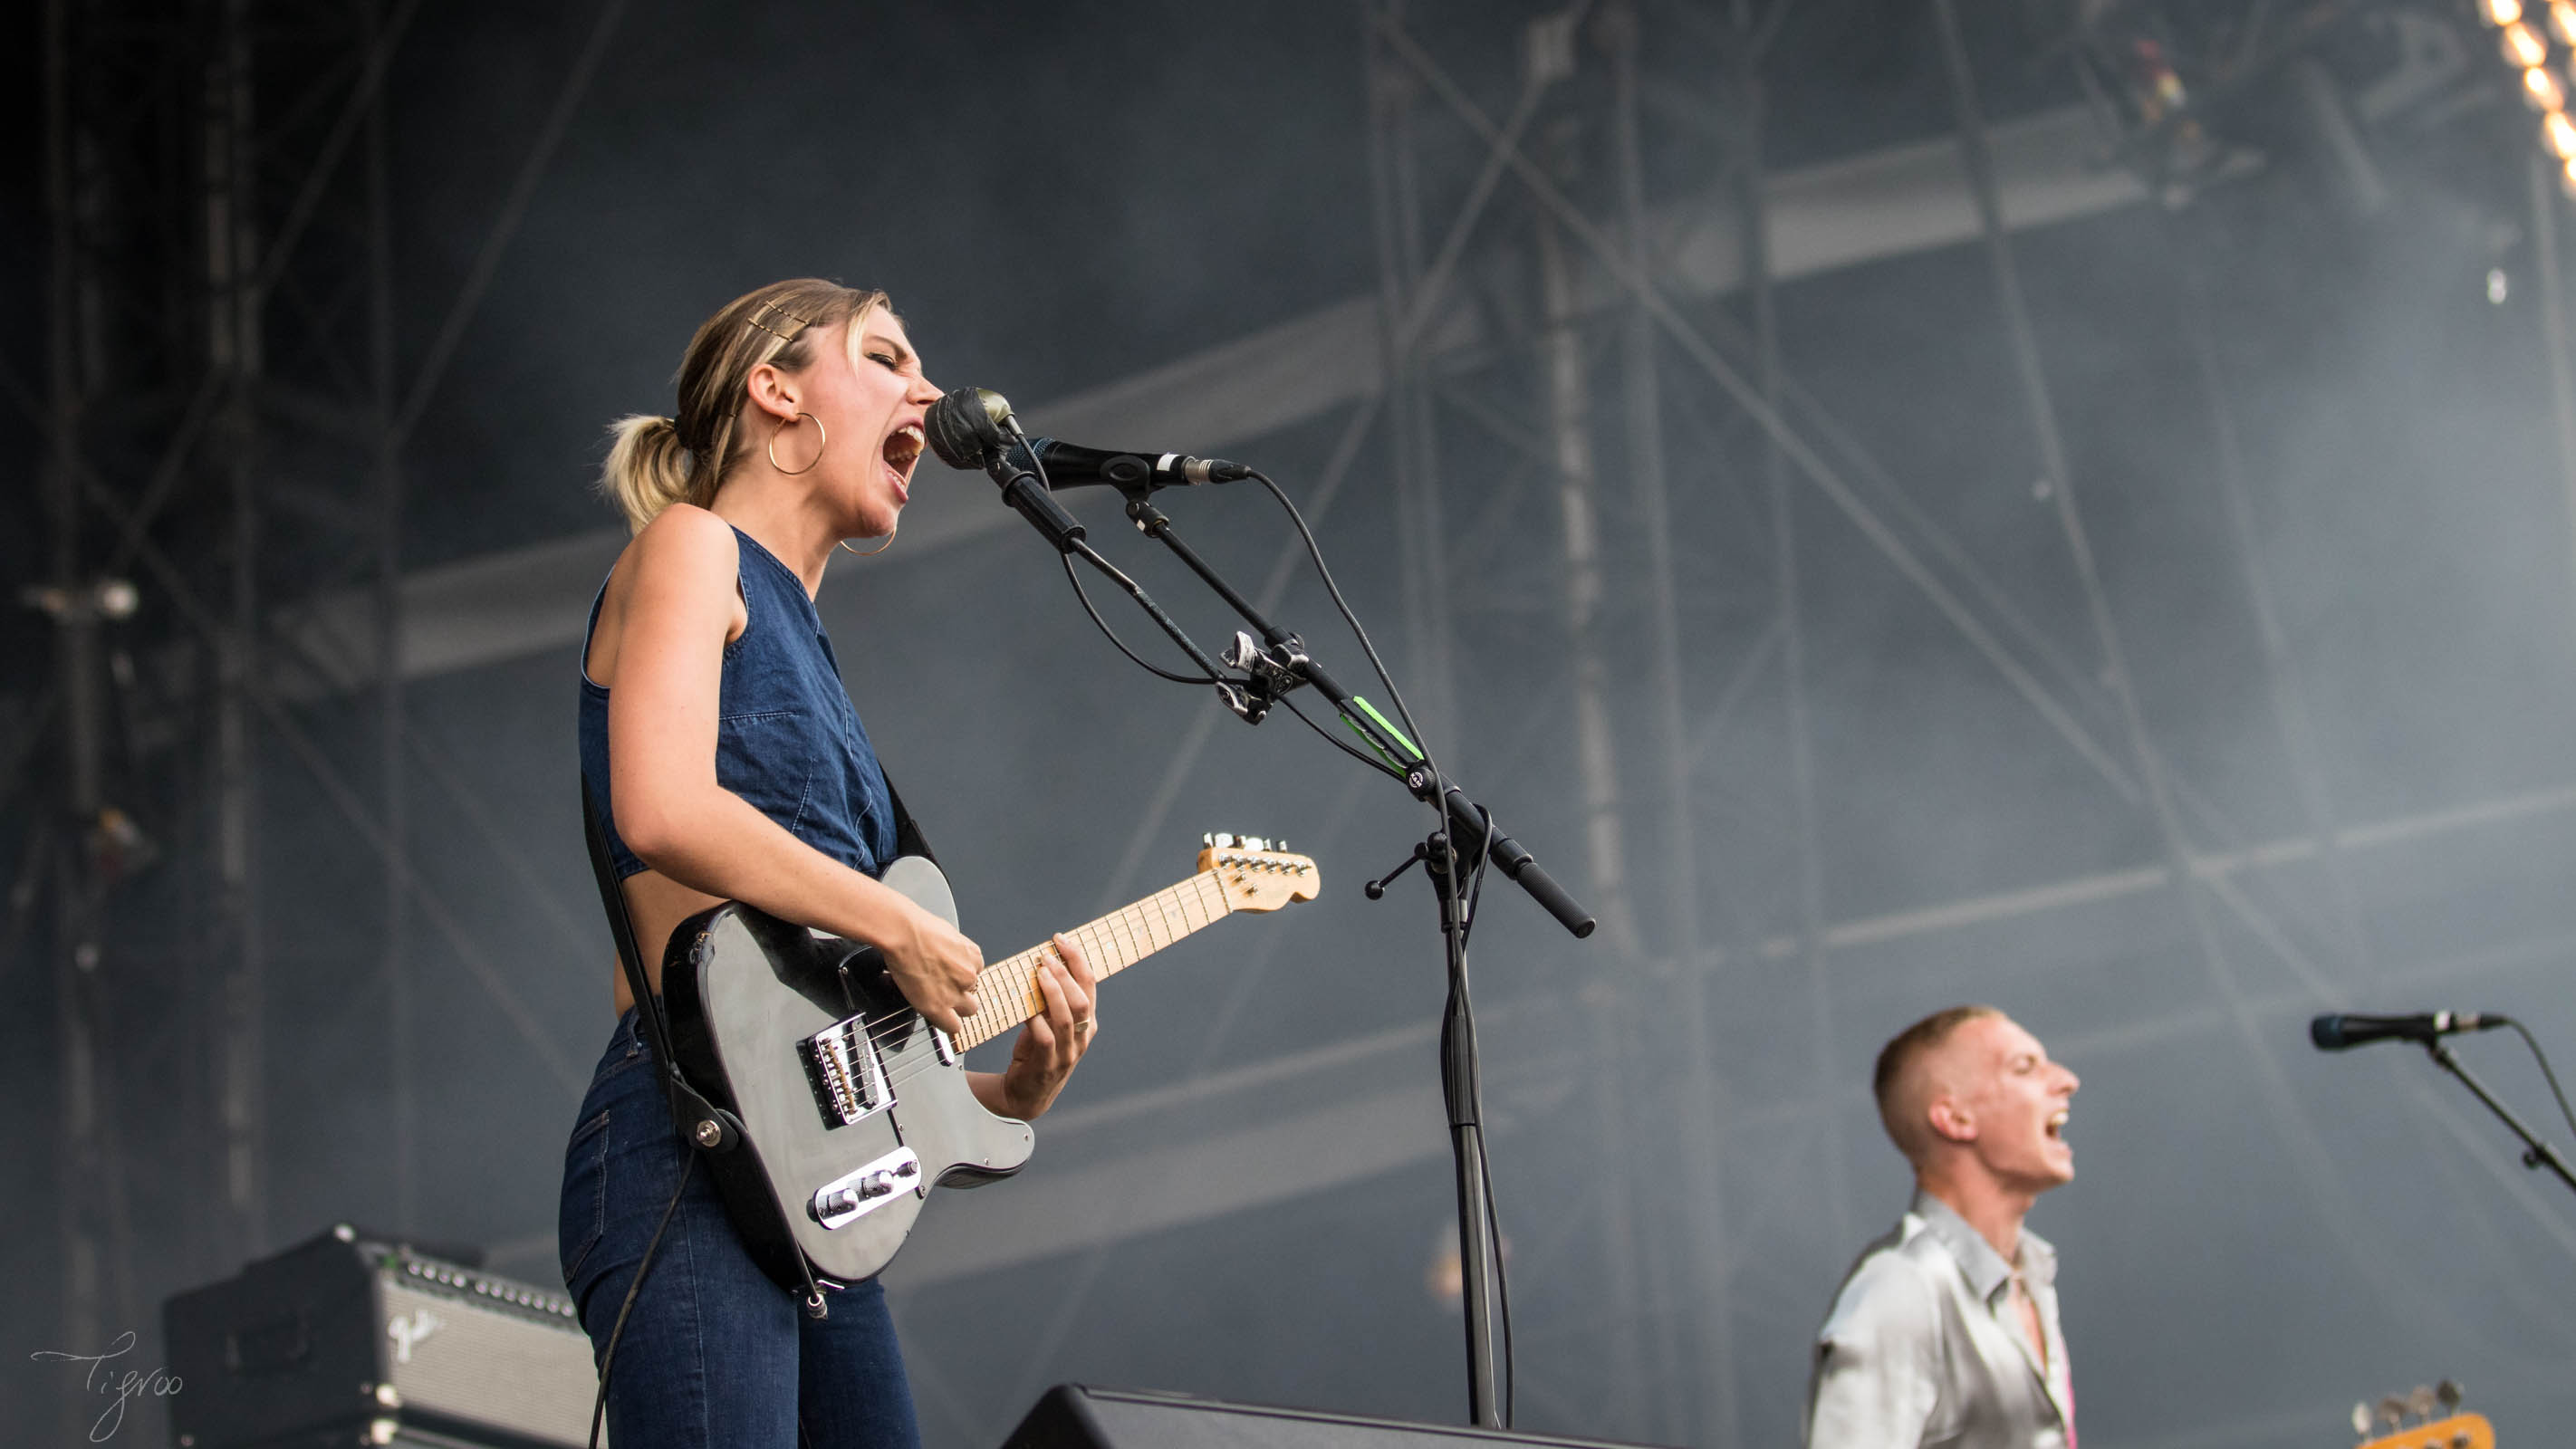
(1594, 379)
(219, 367)
(224, 407)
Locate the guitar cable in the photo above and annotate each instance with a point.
(608, 1357)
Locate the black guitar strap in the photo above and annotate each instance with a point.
(907, 835)
(690, 1110)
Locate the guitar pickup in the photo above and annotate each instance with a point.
(849, 1081)
(845, 1200)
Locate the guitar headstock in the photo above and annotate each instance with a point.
(1258, 874)
(2386, 1425)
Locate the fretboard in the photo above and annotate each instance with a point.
(1008, 989)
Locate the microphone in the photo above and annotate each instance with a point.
(1069, 465)
(2336, 1032)
(970, 428)
(973, 428)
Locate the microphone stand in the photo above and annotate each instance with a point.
(1271, 669)
(2536, 1153)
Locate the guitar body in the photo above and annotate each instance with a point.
(852, 1106)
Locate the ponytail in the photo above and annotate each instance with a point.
(648, 469)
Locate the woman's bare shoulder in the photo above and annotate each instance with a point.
(685, 547)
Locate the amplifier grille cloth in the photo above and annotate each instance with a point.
(487, 1365)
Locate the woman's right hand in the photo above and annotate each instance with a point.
(935, 967)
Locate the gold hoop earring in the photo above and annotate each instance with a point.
(818, 450)
(871, 552)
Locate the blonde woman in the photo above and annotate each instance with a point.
(726, 761)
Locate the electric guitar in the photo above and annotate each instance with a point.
(851, 1106)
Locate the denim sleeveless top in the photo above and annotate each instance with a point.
(787, 737)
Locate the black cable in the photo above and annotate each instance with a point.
(1076, 580)
(1484, 858)
(1038, 466)
(608, 1359)
(1316, 552)
(1337, 742)
(1502, 1294)
(2551, 1077)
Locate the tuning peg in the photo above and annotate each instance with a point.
(2449, 1393)
(2361, 1418)
(2420, 1403)
(1218, 840)
(2392, 1411)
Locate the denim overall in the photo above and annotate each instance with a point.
(714, 1353)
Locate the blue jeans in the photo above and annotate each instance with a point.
(714, 1353)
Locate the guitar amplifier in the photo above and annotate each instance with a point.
(1076, 1416)
(347, 1340)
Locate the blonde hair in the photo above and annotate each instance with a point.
(654, 462)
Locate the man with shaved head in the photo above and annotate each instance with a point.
(1945, 1332)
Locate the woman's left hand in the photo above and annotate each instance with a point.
(1055, 1039)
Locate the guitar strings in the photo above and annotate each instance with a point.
(1137, 932)
(1132, 918)
(879, 1038)
(907, 1015)
(1107, 927)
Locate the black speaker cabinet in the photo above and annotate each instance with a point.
(1075, 1416)
(347, 1340)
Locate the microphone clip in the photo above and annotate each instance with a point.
(1269, 674)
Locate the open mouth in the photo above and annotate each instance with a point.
(902, 450)
(2057, 1126)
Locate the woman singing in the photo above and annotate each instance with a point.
(727, 762)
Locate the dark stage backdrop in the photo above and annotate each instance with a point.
(2259, 1234)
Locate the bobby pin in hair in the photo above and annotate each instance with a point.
(766, 308)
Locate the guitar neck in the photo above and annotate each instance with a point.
(1008, 989)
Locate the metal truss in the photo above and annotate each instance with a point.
(224, 411)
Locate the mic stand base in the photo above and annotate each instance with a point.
(2536, 1153)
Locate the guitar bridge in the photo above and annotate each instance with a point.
(849, 1081)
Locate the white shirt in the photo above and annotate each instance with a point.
(1924, 1347)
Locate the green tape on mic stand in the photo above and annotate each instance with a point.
(1392, 733)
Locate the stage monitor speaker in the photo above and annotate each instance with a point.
(1076, 1416)
(350, 1340)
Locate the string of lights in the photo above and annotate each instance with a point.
(2527, 49)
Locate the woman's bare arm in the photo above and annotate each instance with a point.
(666, 673)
